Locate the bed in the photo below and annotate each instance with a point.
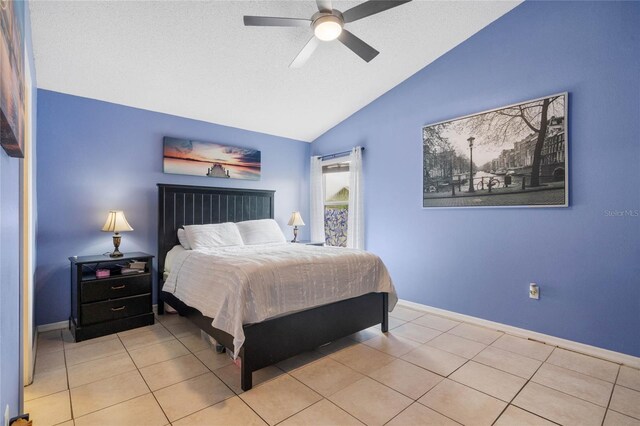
(273, 340)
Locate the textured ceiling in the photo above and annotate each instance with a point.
(197, 60)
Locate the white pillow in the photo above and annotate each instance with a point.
(171, 254)
(182, 237)
(264, 231)
(213, 235)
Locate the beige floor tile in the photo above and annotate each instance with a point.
(576, 384)
(141, 411)
(67, 423)
(392, 345)
(212, 359)
(367, 333)
(514, 416)
(159, 352)
(171, 318)
(463, 404)
(173, 371)
(616, 419)
(528, 348)
(70, 343)
(230, 375)
(371, 402)
(415, 332)
(629, 378)
(436, 322)
(49, 361)
(299, 361)
(336, 346)
(137, 330)
(558, 407)
(418, 414)
(230, 412)
(476, 333)
(96, 350)
(510, 362)
(45, 383)
(494, 382)
(395, 322)
(50, 341)
(185, 398)
(594, 367)
(49, 410)
(280, 398)
(406, 378)
(626, 401)
(147, 337)
(98, 369)
(326, 376)
(194, 343)
(405, 314)
(104, 393)
(362, 358)
(183, 328)
(440, 362)
(322, 413)
(456, 345)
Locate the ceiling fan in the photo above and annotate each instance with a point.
(328, 25)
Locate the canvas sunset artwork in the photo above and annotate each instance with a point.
(208, 159)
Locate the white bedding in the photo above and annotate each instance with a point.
(249, 284)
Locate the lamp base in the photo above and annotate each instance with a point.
(117, 238)
(295, 234)
(116, 253)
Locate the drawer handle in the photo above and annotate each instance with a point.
(118, 287)
(118, 309)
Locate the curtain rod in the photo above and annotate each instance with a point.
(337, 154)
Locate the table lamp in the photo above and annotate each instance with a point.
(295, 221)
(116, 223)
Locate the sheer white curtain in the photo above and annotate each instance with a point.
(355, 221)
(317, 200)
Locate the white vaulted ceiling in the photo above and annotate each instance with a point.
(197, 60)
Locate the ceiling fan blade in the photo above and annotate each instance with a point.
(359, 47)
(305, 53)
(324, 5)
(369, 8)
(267, 21)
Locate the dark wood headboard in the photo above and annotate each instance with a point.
(196, 205)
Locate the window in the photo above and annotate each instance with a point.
(336, 204)
(335, 180)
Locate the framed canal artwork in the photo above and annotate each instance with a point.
(190, 157)
(12, 83)
(513, 156)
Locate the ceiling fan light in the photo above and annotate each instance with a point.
(327, 28)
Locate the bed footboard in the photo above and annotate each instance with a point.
(275, 340)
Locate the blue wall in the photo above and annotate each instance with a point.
(95, 156)
(479, 261)
(10, 282)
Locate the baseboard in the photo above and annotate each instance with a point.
(53, 326)
(594, 351)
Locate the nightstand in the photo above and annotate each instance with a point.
(311, 243)
(101, 306)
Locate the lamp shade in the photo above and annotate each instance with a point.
(296, 219)
(116, 222)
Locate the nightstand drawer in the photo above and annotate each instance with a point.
(112, 288)
(115, 309)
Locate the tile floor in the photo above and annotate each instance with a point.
(426, 370)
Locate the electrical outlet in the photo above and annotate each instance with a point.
(6, 415)
(534, 291)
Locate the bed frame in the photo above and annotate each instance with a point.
(270, 341)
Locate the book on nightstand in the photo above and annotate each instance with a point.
(128, 271)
